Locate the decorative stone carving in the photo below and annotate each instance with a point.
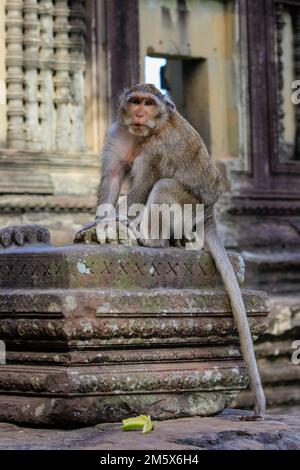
(280, 99)
(77, 60)
(15, 74)
(282, 9)
(46, 54)
(109, 266)
(31, 63)
(98, 333)
(62, 77)
(47, 112)
(21, 234)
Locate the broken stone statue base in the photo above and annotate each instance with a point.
(100, 333)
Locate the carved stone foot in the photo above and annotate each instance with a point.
(23, 234)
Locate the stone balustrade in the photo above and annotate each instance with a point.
(45, 60)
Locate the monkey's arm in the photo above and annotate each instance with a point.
(113, 168)
(112, 176)
(145, 174)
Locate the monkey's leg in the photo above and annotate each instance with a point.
(169, 191)
(163, 216)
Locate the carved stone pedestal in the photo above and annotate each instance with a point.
(100, 333)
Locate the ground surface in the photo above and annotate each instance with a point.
(225, 431)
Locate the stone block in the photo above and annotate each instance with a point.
(108, 266)
(100, 333)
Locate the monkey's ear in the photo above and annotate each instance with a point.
(169, 103)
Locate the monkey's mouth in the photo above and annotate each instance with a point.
(139, 129)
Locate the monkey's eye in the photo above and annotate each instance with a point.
(149, 103)
(134, 101)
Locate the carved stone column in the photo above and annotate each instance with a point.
(62, 78)
(280, 100)
(47, 112)
(15, 77)
(31, 64)
(77, 60)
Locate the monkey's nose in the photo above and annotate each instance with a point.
(139, 115)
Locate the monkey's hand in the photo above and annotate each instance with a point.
(20, 235)
(87, 234)
(112, 231)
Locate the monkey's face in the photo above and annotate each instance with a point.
(143, 114)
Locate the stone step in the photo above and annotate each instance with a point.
(100, 356)
(88, 318)
(57, 303)
(80, 266)
(278, 396)
(66, 412)
(276, 270)
(88, 395)
(122, 378)
(276, 352)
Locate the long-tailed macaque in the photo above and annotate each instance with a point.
(169, 163)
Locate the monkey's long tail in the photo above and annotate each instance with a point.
(232, 287)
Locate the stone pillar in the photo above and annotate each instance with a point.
(15, 76)
(62, 78)
(97, 115)
(77, 61)
(46, 54)
(122, 36)
(3, 120)
(280, 99)
(47, 112)
(31, 74)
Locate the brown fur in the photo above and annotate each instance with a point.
(168, 161)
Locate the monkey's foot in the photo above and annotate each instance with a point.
(251, 418)
(87, 234)
(153, 243)
(116, 233)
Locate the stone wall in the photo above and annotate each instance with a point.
(206, 36)
(45, 57)
(274, 350)
(53, 112)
